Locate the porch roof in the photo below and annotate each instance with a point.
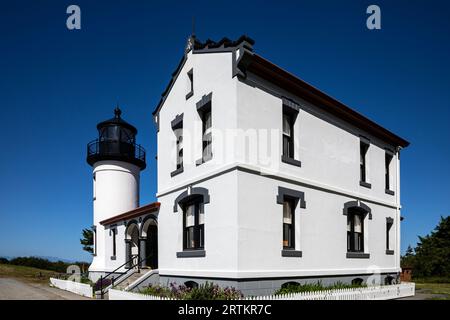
(148, 208)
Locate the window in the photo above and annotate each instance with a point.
(362, 160)
(191, 284)
(190, 84)
(127, 136)
(389, 280)
(288, 135)
(204, 111)
(389, 224)
(114, 232)
(290, 198)
(193, 226)
(207, 136)
(95, 186)
(288, 224)
(290, 113)
(179, 149)
(177, 127)
(94, 231)
(387, 163)
(355, 232)
(357, 282)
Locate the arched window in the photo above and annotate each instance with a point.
(191, 284)
(389, 280)
(290, 284)
(357, 281)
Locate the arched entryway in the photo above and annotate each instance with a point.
(132, 244)
(149, 243)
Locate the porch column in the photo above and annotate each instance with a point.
(128, 253)
(142, 253)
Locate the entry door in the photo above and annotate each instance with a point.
(152, 247)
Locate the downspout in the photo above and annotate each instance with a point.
(397, 194)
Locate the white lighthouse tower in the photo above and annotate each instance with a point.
(116, 160)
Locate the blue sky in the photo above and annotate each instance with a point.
(56, 84)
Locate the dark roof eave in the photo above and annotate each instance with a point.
(149, 208)
(208, 46)
(273, 73)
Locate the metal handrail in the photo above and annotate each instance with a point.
(113, 272)
(93, 148)
(138, 263)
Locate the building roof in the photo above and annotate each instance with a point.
(148, 208)
(117, 121)
(249, 61)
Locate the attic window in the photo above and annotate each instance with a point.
(190, 84)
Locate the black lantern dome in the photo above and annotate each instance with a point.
(116, 141)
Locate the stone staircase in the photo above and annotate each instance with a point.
(132, 278)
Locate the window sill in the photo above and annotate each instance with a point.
(191, 254)
(113, 257)
(178, 171)
(365, 184)
(190, 94)
(291, 253)
(390, 252)
(389, 192)
(358, 255)
(203, 160)
(291, 161)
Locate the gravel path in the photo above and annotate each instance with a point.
(14, 289)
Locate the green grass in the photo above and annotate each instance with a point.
(442, 289)
(431, 280)
(27, 274)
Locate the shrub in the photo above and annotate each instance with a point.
(207, 291)
(293, 287)
(85, 280)
(102, 282)
(157, 290)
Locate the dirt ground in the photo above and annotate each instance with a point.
(15, 289)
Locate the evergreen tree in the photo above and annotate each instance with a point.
(88, 240)
(431, 257)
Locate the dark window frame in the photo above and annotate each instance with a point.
(114, 239)
(288, 140)
(207, 141)
(297, 198)
(388, 157)
(179, 151)
(289, 111)
(177, 127)
(207, 137)
(289, 229)
(389, 225)
(198, 230)
(363, 149)
(351, 234)
(190, 75)
(94, 230)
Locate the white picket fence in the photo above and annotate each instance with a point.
(369, 293)
(79, 288)
(114, 294)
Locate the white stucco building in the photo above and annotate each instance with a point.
(262, 180)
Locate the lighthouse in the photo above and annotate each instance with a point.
(116, 161)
